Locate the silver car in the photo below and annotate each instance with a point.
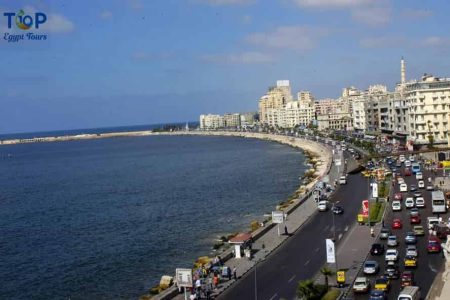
(371, 267)
(392, 241)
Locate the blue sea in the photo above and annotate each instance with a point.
(104, 219)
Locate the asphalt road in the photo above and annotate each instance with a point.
(428, 265)
(303, 254)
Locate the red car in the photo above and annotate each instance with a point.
(407, 278)
(415, 220)
(434, 245)
(398, 196)
(396, 224)
(408, 172)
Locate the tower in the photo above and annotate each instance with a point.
(403, 71)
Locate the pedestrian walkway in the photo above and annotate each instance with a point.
(264, 245)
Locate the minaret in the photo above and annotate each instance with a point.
(402, 71)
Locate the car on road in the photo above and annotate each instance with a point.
(407, 163)
(377, 249)
(398, 196)
(413, 187)
(414, 211)
(342, 180)
(410, 261)
(337, 210)
(407, 172)
(409, 202)
(411, 250)
(391, 255)
(382, 284)
(414, 219)
(407, 278)
(361, 285)
(392, 241)
(432, 221)
(392, 272)
(417, 194)
(419, 176)
(410, 238)
(412, 158)
(418, 230)
(434, 245)
(421, 184)
(377, 295)
(420, 202)
(403, 187)
(371, 267)
(322, 205)
(400, 180)
(396, 224)
(430, 187)
(396, 205)
(385, 233)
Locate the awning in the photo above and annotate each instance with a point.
(240, 238)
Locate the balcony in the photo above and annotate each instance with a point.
(422, 121)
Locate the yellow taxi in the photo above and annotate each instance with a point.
(382, 284)
(410, 261)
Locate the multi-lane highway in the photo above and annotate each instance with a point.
(427, 264)
(303, 254)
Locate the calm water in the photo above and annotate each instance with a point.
(104, 219)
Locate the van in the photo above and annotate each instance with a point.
(409, 293)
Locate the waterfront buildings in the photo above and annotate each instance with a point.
(275, 98)
(229, 120)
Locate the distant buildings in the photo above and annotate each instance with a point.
(417, 111)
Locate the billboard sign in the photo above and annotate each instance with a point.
(277, 217)
(365, 208)
(184, 277)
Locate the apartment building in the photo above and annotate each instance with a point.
(210, 122)
(232, 120)
(275, 98)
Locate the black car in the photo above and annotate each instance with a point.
(413, 188)
(338, 210)
(392, 272)
(377, 249)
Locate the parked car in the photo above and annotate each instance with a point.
(392, 241)
(377, 249)
(371, 267)
(361, 285)
(396, 224)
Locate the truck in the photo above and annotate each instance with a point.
(409, 293)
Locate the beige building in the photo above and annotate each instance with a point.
(210, 121)
(275, 98)
(335, 121)
(232, 120)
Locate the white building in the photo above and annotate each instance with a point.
(210, 121)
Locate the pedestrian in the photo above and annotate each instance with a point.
(285, 230)
(215, 281)
(229, 273)
(234, 273)
(382, 223)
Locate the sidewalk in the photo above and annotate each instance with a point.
(264, 245)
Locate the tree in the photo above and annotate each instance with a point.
(307, 290)
(326, 272)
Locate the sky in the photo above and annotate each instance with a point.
(132, 62)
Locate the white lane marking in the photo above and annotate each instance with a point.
(317, 250)
(339, 236)
(346, 228)
(292, 278)
(307, 262)
(274, 296)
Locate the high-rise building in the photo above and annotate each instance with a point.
(210, 121)
(275, 98)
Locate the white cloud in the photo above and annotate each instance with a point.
(383, 42)
(239, 58)
(435, 41)
(416, 13)
(326, 4)
(372, 16)
(227, 2)
(106, 14)
(299, 38)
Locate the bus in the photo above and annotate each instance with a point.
(438, 202)
(415, 167)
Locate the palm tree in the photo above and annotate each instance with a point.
(326, 272)
(306, 289)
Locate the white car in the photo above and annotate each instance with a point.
(342, 180)
(412, 158)
(409, 202)
(421, 184)
(400, 180)
(391, 255)
(432, 221)
(430, 187)
(392, 241)
(407, 163)
(396, 205)
(361, 285)
(420, 202)
(403, 187)
(411, 250)
(402, 158)
(322, 206)
(419, 176)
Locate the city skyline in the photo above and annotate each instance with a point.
(135, 62)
